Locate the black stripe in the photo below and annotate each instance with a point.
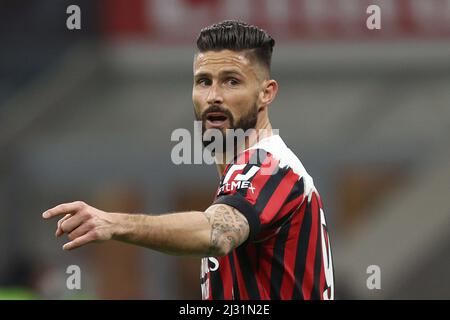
(297, 190)
(269, 188)
(293, 196)
(302, 250)
(280, 222)
(316, 294)
(247, 273)
(216, 284)
(278, 269)
(287, 217)
(236, 293)
(244, 207)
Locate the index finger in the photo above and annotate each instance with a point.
(64, 208)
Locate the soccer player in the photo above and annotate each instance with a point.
(264, 236)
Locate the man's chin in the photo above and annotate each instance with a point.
(222, 126)
(212, 130)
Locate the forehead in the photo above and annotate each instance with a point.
(224, 59)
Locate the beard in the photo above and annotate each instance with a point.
(246, 122)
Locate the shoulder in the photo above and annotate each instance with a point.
(273, 150)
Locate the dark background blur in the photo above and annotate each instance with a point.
(88, 114)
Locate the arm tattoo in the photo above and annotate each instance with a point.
(229, 228)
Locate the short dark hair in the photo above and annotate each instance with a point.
(237, 36)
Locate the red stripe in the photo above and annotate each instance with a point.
(226, 168)
(278, 197)
(209, 285)
(288, 207)
(265, 266)
(261, 177)
(227, 279)
(290, 250)
(241, 282)
(308, 278)
(320, 200)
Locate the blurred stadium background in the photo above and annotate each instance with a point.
(87, 115)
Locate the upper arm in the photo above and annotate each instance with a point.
(229, 228)
(264, 191)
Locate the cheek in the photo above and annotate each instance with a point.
(242, 104)
(197, 101)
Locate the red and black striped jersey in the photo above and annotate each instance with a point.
(287, 254)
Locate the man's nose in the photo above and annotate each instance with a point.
(214, 95)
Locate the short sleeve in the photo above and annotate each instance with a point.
(262, 190)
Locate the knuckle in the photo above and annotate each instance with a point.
(86, 212)
(94, 235)
(84, 215)
(81, 213)
(89, 225)
(81, 203)
(87, 218)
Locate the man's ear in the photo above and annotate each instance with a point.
(268, 92)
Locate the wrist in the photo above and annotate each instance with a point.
(118, 226)
(125, 227)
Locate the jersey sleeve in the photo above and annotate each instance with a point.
(265, 192)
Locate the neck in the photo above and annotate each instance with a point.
(262, 130)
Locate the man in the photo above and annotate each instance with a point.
(264, 236)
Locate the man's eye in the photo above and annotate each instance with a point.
(233, 81)
(204, 82)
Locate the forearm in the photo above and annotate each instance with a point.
(212, 233)
(183, 233)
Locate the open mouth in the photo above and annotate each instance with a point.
(216, 119)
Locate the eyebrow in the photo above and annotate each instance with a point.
(231, 72)
(201, 75)
(221, 73)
